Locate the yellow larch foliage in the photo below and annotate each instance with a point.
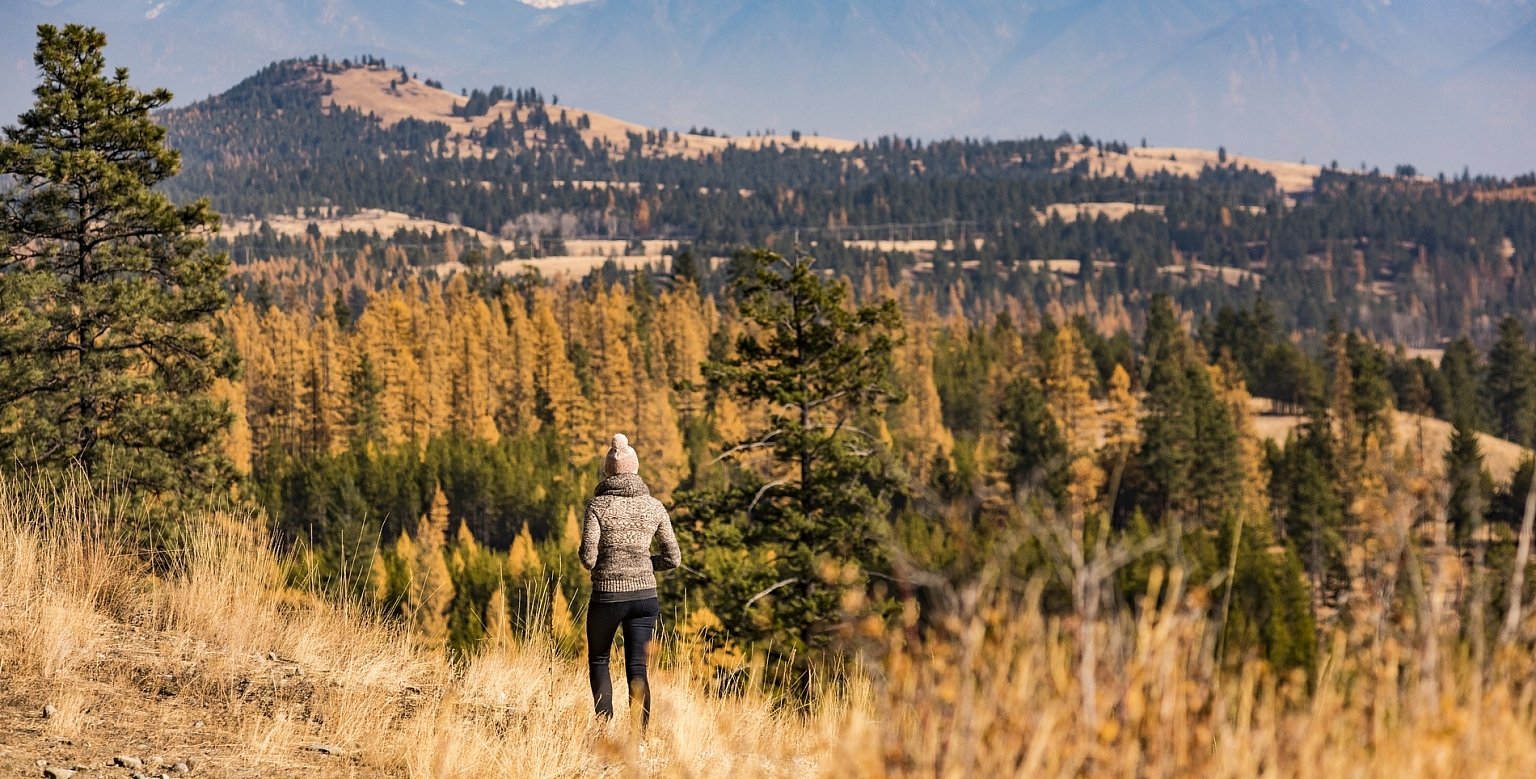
(446, 358)
(386, 333)
(1122, 415)
(434, 347)
(728, 420)
(237, 440)
(244, 327)
(405, 552)
(431, 591)
(570, 532)
(279, 368)
(328, 388)
(659, 443)
(472, 397)
(1068, 386)
(556, 378)
(562, 627)
(919, 418)
(704, 641)
(515, 368)
(681, 333)
(1011, 354)
(378, 578)
(523, 557)
(882, 433)
(1254, 496)
(1068, 383)
(615, 385)
(465, 547)
(498, 622)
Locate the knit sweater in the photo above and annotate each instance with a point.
(622, 518)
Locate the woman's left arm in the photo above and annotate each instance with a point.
(671, 555)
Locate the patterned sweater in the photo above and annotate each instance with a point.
(621, 520)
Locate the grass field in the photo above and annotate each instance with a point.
(218, 664)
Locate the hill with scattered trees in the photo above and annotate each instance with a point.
(977, 222)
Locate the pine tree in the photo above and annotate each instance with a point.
(107, 350)
(1163, 470)
(1510, 384)
(1471, 488)
(814, 517)
(1463, 371)
(1311, 505)
(365, 414)
(1037, 451)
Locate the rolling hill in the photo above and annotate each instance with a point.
(1286, 79)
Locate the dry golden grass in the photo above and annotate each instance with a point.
(369, 90)
(366, 220)
(1418, 437)
(1071, 212)
(217, 662)
(1507, 193)
(1290, 177)
(583, 256)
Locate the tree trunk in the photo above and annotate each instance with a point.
(1522, 556)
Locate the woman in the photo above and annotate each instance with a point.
(622, 518)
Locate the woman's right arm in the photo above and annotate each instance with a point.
(591, 534)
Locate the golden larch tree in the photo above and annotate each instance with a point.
(1068, 386)
(431, 590)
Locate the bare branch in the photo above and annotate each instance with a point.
(777, 585)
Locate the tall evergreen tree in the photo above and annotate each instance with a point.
(811, 520)
(1471, 487)
(1510, 384)
(1037, 450)
(1163, 472)
(107, 289)
(1308, 498)
(1463, 372)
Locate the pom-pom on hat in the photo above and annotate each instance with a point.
(621, 458)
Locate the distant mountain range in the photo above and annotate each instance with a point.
(1440, 84)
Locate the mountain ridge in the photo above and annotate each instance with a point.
(918, 67)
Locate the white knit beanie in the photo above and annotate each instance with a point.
(621, 458)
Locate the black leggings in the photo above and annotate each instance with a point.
(639, 620)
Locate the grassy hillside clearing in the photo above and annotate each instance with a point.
(1417, 436)
(218, 665)
(1290, 177)
(368, 90)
